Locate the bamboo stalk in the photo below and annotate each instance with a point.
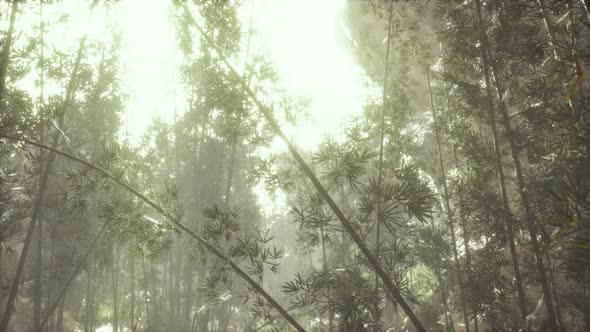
(255, 286)
(268, 115)
(529, 217)
(77, 270)
(4, 61)
(501, 177)
(448, 209)
(381, 141)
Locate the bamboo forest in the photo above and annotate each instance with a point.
(294, 165)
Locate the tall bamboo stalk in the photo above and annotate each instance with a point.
(174, 221)
(586, 5)
(132, 286)
(72, 277)
(381, 143)
(88, 300)
(5, 60)
(146, 290)
(269, 116)
(529, 217)
(38, 273)
(46, 170)
(449, 324)
(115, 286)
(550, 36)
(462, 220)
(501, 177)
(441, 165)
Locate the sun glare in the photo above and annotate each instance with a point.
(305, 40)
(307, 44)
(150, 61)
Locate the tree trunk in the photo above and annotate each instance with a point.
(147, 295)
(553, 285)
(188, 293)
(155, 317)
(93, 299)
(170, 288)
(204, 314)
(326, 269)
(177, 301)
(380, 165)
(230, 174)
(163, 286)
(50, 281)
(587, 313)
(450, 326)
(546, 25)
(226, 306)
(586, 5)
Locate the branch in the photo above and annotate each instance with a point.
(268, 115)
(258, 288)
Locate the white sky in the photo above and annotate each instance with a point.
(303, 38)
(306, 42)
(150, 62)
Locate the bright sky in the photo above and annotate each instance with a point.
(305, 40)
(150, 62)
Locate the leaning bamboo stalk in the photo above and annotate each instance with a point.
(173, 220)
(550, 36)
(77, 270)
(268, 115)
(46, 170)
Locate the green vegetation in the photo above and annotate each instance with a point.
(456, 199)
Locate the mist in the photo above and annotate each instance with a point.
(258, 165)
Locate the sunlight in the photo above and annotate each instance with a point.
(307, 42)
(123, 207)
(149, 64)
(304, 39)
